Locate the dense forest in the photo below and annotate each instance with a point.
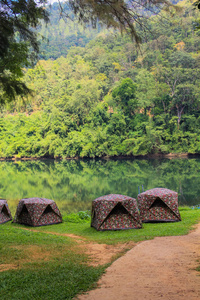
(62, 33)
(97, 93)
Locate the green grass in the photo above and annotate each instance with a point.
(150, 230)
(59, 270)
(48, 281)
(52, 267)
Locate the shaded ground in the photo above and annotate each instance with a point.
(163, 268)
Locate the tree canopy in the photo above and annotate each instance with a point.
(17, 38)
(108, 98)
(124, 15)
(19, 45)
(19, 17)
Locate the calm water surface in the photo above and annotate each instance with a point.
(73, 184)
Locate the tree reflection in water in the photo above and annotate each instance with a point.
(73, 184)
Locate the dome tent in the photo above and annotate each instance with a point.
(37, 212)
(159, 205)
(115, 212)
(5, 214)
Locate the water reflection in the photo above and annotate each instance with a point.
(73, 184)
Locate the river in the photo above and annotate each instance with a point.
(73, 184)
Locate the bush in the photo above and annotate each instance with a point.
(80, 217)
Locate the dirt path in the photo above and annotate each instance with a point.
(163, 268)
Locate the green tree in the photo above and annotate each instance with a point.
(124, 15)
(183, 89)
(124, 95)
(186, 98)
(18, 17)
(17, 20)
(197, 6)
(146, 89)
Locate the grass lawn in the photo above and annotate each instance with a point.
(40, 265)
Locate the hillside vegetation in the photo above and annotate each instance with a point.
(110, 97)
(63, 32)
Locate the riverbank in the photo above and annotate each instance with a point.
(147, 156)
(70, 253)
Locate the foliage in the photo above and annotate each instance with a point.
(197, 6)
(62, 33)
(108, 98)
(118, 14)
(124, 95)
(80, 217)
(17, 19)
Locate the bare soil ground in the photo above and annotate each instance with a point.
(163, 268)
(99, 254)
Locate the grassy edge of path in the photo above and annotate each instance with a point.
(40, 265)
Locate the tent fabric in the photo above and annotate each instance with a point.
(159, 205)
(37, 212)
(115, 212)
(5, 214)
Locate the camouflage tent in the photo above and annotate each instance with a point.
(114, 212)
(5, 214)
(159, 205)
(37, 212)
